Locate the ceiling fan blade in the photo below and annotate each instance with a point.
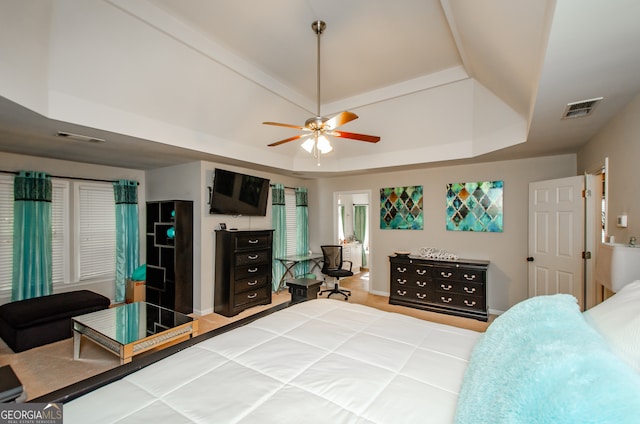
(278, 124)
(340, 119)
(286, 140)
(354, 136)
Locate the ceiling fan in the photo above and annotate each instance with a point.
(317, 128)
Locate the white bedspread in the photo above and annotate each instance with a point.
(322, 361)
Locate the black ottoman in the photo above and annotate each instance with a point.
(30, 323)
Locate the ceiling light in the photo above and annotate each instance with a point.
(323, 145)
(309, 144)
(78, 137)
(318, 144)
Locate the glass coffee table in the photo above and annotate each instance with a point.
(130, 329)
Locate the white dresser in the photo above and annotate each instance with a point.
(353, 252)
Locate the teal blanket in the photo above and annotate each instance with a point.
(540, 362)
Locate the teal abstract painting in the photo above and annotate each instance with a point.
(475, 206)
(401, 208)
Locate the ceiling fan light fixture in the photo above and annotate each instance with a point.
(308, 144)
(318, 144)
(323, 145)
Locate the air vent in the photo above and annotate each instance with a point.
(581, 108)
(78, 137)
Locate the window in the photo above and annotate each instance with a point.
(83, 232)
(290, 213)
(96, 232)
(6, 232)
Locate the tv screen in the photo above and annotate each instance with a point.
(234, 193)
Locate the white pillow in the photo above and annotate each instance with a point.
(617, 319)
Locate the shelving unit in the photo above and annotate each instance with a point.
(170, 255)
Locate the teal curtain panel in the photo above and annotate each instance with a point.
(279, 222)
(360, 227)
(302, 229)
(127, 234)
(32, 236)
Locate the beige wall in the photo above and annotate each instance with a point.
(620, 142)
(506, 251)
(191, 182)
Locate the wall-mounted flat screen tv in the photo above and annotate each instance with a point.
(234, 193)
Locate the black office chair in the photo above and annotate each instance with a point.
(332, 267)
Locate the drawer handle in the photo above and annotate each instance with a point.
(421, 295)
(401, 269)
(252, 283)
(253, 241)
(470, 277)
(446, 300)
(421, 271)
(447, 287)
(470, 290)
(253, 270)
(252, 296)
(446, 274)
(472, 303)
(253, 257)
(421, 283)
(402, 292)
(401, 281)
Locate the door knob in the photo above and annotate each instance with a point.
(530, 259)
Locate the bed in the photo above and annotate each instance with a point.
(329, 361)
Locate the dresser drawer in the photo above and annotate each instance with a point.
(253, 257)
(413, 283)
(458, 274)
(409, 271)
(253, 241)
(460, 300)
(259, 295)
(250, 271)
(249, 283)
(410, 294)
(458, 287)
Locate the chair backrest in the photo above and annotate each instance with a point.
(332, 257)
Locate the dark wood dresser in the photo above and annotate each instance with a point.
(243, 270)
(452, 287)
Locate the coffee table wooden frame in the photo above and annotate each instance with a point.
(126, 352)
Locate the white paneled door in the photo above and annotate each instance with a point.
(557, 237)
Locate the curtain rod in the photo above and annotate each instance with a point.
(69, 178)
(292, 188)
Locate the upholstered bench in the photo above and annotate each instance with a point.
(30, 323)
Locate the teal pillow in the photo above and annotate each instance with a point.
(540, 362)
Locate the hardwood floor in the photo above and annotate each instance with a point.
(47, 368)
(359, 286)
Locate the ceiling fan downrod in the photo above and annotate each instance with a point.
(318, 27)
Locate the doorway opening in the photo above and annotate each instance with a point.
(352, 229)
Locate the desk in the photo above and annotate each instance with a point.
(291, 261)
